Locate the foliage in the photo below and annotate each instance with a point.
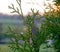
(29, 42)
(57, 2)
(53, 27)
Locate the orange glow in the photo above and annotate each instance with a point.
(26, 5)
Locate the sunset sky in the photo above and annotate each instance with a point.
(26, 5)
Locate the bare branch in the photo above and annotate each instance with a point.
(19, 3)
(17, 10)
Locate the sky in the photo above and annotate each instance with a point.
(26, 5)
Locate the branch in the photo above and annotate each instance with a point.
(19, 3)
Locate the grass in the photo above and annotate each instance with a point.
(5, 48)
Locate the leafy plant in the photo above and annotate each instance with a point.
(29, 42)
(53, 27)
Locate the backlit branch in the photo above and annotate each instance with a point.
(17, 10)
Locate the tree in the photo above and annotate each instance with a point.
(31, 42)
(53, 26)
(58, 2)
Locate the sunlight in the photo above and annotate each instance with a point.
(4, 6)
(26, 5)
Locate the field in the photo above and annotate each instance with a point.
(5, 48)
